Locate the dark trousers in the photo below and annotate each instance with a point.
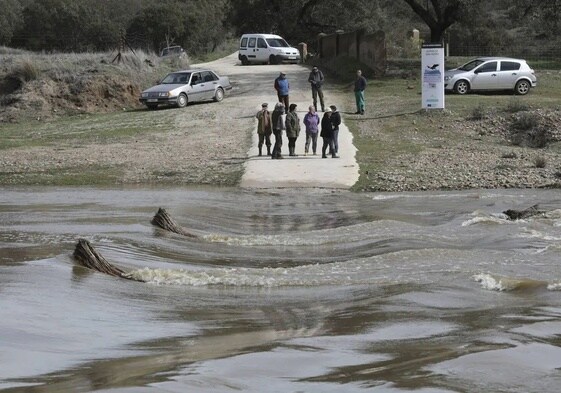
(264, 138)
(278, 143)
(284, 100)
(327, 142)
(291, 145)
(317, 91)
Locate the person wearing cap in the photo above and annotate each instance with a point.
(311, 121)
(292, 123)
(335, 121)
(264, 128)
(282, 87)
(278, 126)
(316, 80)
(327, 134)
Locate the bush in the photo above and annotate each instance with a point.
(527, 130)
(478, 113)
(525, 122)
(516, 105)
(25, 71)
(510, 155)
(540, 162)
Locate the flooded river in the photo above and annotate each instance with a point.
(282, 291)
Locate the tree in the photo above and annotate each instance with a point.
(10, 19)
(441, 14)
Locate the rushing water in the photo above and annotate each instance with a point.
(288, 291)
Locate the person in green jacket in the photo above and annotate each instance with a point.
(292, 124)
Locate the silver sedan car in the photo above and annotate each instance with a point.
(491, 73)
(181, 87)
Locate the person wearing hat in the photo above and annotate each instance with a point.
(316, 80)
(282, 87)
(264, 128)
(335, 121)
(327, 134)
(292, 123)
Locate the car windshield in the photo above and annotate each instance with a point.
(176, 78)
(471, 65)
(277, 43)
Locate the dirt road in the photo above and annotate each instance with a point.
(254, 86)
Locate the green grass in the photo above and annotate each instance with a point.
(76, 130)
(76, 176)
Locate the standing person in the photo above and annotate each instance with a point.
(282, 87)
(335, 121)
(278, 126)
(327, 134)
(264, 128)
(316, 80)
(311, 121)
(292, 129)
(360, 86)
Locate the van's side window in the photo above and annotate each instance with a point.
(251, 43)
(261, 43)
(244, 42)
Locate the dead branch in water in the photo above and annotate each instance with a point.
(522, 214)
(163, 220)
(88, 257)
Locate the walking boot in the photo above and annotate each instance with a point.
(260, 154)
(268, 150)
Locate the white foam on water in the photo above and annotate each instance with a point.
(506, 284)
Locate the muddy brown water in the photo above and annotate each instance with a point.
(283, 291)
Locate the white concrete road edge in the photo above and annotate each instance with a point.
(255, 85)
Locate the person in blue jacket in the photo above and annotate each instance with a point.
(282, 87)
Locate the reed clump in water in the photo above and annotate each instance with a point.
(87, 256)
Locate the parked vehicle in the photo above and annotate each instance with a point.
(173, 51)
(266, 49)
(491, 73)
(181, 87)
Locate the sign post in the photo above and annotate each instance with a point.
(432, 74)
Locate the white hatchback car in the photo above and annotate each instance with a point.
(491, 73)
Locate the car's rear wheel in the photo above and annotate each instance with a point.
(219, 95)
(245, 61)
(182, 100)
(152, 106)
(461, 87)
(522, 87)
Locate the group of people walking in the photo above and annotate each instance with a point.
(274, 123)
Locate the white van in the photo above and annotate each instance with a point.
(267, 49)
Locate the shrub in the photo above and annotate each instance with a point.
(540, 162)
(515, 105)
(25, 71)
(525, 122)
(526, 130)
(478, 113)
(510, 155)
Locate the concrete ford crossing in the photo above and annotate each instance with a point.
(266, 49)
